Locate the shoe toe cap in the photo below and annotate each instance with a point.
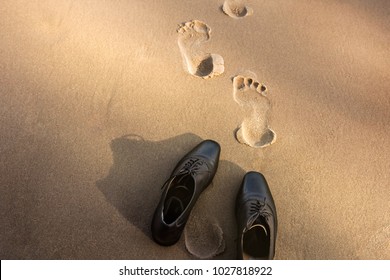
(208, 149)
(254, 181)
(254, 184)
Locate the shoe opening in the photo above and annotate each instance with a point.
(256, 243)
(178, 197)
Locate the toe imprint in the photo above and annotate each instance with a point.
(238, 82)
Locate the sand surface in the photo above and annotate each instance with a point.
(100, 99)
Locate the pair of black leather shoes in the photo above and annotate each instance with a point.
(255, 208)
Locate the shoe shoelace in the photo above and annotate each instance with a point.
(257, 209)
(192, 166)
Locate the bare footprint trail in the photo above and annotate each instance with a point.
(192, 35)
(254, 130)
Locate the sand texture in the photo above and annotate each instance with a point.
(101, 99)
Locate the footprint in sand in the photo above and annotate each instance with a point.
(192, 35)
(252, 95)
(203, 237)
(236, 9)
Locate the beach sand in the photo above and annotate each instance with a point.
(101, 99)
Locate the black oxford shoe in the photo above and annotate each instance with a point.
(256, 219)
(190, 177)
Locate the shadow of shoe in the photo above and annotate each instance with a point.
(133, 186)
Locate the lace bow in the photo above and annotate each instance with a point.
(192, 166)
(257, 209)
